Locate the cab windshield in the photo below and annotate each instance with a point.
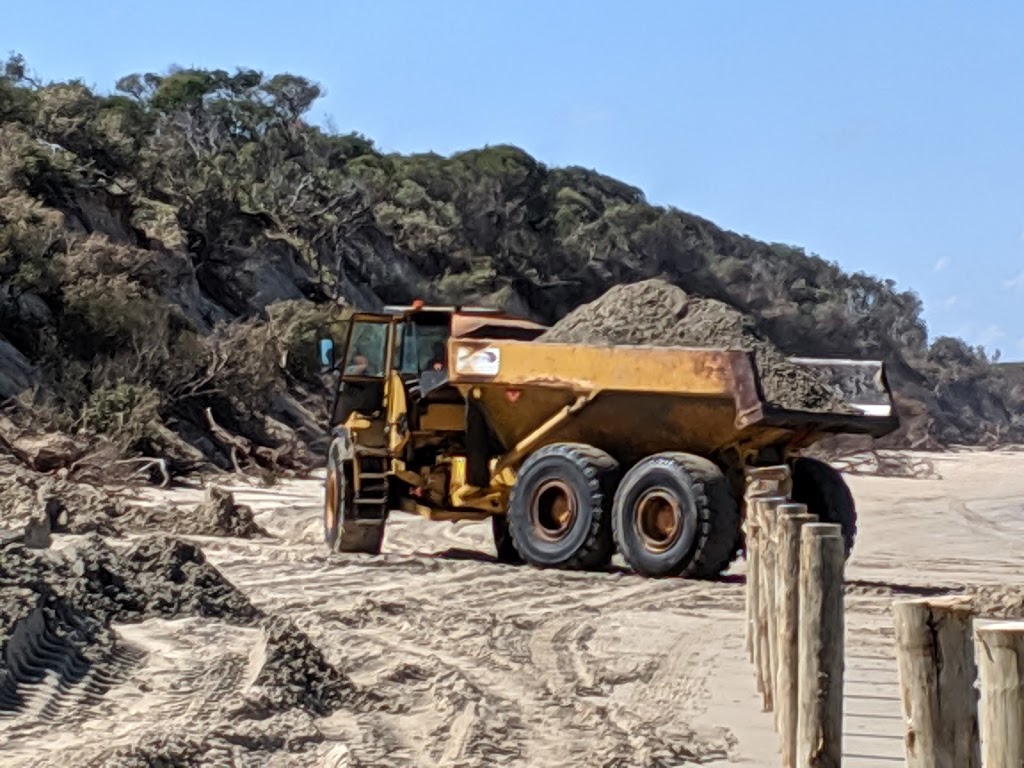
(366, 349)
(424, 347)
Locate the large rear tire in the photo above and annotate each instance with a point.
(560, 506)
(822, 488)
(675, 515)
(341, 533)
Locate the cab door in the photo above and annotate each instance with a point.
(365, 368)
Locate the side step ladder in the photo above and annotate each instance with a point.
(372, 492)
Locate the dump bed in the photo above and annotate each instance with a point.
(637, 400)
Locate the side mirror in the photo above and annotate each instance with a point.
(326, 347)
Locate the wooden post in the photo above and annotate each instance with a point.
(1001, 664)
(821, 647)
(768, 510)
(753, 576)
(759, 597)
(762, 482)
(937, 673)
(792, 518)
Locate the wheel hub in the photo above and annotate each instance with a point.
(659, 520)
(553, 509)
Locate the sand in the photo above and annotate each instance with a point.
(655, 312)
(434, 654)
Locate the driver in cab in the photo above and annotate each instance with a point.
(439, 361)
(360, 366)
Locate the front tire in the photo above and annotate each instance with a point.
(560, 506)
(675, 515)
(341, 533)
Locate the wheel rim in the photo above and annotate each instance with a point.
(659, 520)
(553, 510)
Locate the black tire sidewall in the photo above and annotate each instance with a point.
(668, 475)
(505, 550)
(333, 531)
(532, 547)
(823, 489)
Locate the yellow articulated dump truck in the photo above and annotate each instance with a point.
(572, 451)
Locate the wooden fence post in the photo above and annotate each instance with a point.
(762, 482)
(937, 669)
(1001, 666)
(768, 511)
(753, 576)
(821, 646)
(792, 518)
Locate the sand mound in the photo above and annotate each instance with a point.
(158, 577)
(60, 653)
(654, 312)
(58, 643)
(56, 610)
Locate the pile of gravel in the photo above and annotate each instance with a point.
(657, 313)
(217, 515)
(158, 577)
(234, 742)
(56, 609)
(294, 673)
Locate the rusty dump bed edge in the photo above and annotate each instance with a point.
(684, 372)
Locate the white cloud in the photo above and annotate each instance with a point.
(1017, 281)
(942, 263)
(951, 302)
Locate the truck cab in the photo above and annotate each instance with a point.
(395, 419)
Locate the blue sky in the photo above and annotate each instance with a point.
(886, 136)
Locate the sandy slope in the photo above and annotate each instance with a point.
(476, 663)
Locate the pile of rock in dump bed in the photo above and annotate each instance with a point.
(657, 313)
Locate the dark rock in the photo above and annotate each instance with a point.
(16, 371)
(41, 451)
